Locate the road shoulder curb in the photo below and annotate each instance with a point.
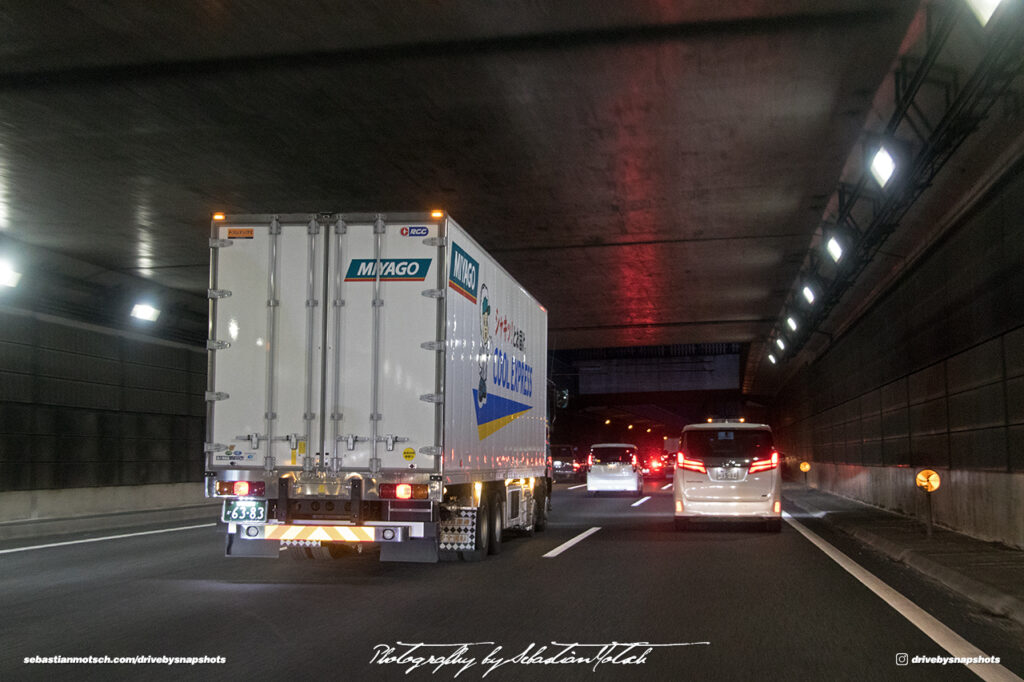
(988, 598)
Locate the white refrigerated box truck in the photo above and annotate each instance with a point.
(374, 379)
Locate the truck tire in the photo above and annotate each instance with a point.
(483, 533)
(541, 520)
(497, 521)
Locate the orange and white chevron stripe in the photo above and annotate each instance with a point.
(320, 533)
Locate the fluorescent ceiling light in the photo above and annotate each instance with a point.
(809, 294)
(834, 249)
(882, 166)
(771, 358)
(791, 322)
(145, 312)
(9, 277)
(983, 9)
(780, 343)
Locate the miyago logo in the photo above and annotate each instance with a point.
(391, 270)
(464, 273)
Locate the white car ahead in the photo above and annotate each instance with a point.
(613, 466)
(728, 470)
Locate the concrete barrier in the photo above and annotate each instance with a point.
(36, 513)
(983, 504)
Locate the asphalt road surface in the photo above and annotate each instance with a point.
(714, 604)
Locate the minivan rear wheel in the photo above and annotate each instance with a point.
(773, 525)
(682, 524)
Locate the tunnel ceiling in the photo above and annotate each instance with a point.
(652, 171)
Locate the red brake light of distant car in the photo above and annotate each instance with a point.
(690, 464)
(575, 465)
(759, 465)
(656, 464)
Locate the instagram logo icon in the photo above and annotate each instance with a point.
(901, 659)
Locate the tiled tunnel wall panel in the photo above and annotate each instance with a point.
(933, 375)
(80, 407)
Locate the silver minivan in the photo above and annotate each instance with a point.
(613, 466)
(728, 470)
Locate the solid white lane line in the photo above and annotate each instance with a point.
(640, 501)
(109, 537)
(950, 641)
(666, 487)
(573, 487)
(566, 545)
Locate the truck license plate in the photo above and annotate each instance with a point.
(244, 510)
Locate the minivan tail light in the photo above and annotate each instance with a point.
(759, 465)
(689, 463)
(590, 459)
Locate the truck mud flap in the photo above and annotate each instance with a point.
(240, 547)
(421, 551)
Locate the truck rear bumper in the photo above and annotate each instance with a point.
(313, 532)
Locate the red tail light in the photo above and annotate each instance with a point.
(404, 491)
(575, 465)
(590, 459)
(242, 488)
(656, 464)
(759, 465)
(690, 464)
(634, 461)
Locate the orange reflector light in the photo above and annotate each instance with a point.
(218, 216)
(437, 214)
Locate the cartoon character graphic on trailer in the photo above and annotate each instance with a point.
(485, 343)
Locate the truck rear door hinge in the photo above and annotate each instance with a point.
(214, 447)
(435, 241)
(432, 450)
(432, 345)
(217, 293)
(433, 293)
(216, 395)
(433, 398)
(220, 243)
(254, 439)
(213, 344)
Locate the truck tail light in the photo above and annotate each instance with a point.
(404, 491)
(242, 488)
(689, 463)
(759, 465)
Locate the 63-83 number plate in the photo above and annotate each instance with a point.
(244, 510)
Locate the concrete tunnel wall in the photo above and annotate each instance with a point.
(932, 376)
(96, 420)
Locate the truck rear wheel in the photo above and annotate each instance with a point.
(483, 533)
(497, 520)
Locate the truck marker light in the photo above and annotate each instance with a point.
(241, 488)
(218, 216)
(436, 214)
(403, 491)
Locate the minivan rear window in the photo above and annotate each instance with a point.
(612, 455)
(745, 444)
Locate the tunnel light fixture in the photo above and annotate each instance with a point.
(771, 359)
(808, 294)
(648, 430)
(983, 9)
(835, 249)
(882, 166)
(9, 277)
(630, 427)
(791, 322)
(607, 422)
(145, 312)
(780, 343)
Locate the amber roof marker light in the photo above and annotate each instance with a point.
(218, 216)
(437, 213)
